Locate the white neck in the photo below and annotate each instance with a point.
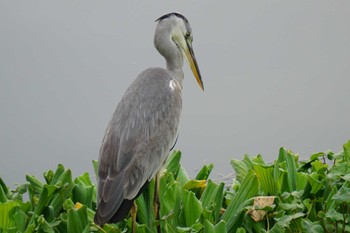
(169, 50)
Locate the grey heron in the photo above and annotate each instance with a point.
(144, 126)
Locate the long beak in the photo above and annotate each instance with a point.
(191, 58)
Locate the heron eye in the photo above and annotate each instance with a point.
(188, 37)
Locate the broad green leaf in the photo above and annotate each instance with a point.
(311, 227)
(315, 156)
(34, 184)
(84, 194)
(287, 162)
(265, 177)
(301, 180)
(170, 203)
(45, 197)
(172, 164)
(142, 228)
(3, 191)
(95, 165)
(346, 148)
(63, 180)
(192, 208)
(276, 229)
(84, 191)
(182, 176)
(319, 167)
(316, 185)
(334, 216)
(183, 229)
(44, 226)
(77, 220)
(248, 189)
(204, 173)
(220, 227)
(212, 198)
(339, 169)
(343, 195)
(3, 195)
(346, 177)
(145, 205)
(195, 184)
(19, 217)
(242, 167)
(5, 208)
(240, 230)
(58, 175)
(328, 196)
(208, 227)
(286, 219)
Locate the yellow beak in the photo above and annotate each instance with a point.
(191, 59)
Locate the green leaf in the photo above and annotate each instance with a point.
(343, 195)
(311, 227)
(276, 229)
(204, 173)
(212, 199)
(34, 184)
(220, 227)
(240, 230)
(145, 206)
(195, 184)
(173, 163)
(285, 170)
(247, 190)
(301, 180)
(95, 165)
(63, 181)
(285, 220)
(315, 156)
(44, 226)
(182, 176)
(208, 227)
(5, 208)
(346, 148)
(170, 203)
(242, 167)
(84, 191)
(316, 185)
(265, 177)
(142, 228)
(334, 216)
(3, 191)
(77, 220)
(319, 167)
(192, 208)
(45, 198)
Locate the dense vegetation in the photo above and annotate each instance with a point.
(288, 195)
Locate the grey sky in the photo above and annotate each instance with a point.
(276, 74)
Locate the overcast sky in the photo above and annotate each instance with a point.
(276, 74)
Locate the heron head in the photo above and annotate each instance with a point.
(181, 35)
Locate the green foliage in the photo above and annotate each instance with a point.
(287, 195)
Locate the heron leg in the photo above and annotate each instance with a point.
(133, 213)
(156, 203)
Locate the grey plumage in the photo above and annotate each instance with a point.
(145, 123)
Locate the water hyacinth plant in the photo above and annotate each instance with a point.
(287, 195)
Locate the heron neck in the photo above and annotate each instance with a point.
(170, 51)
(174, 61)
(177, 72)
